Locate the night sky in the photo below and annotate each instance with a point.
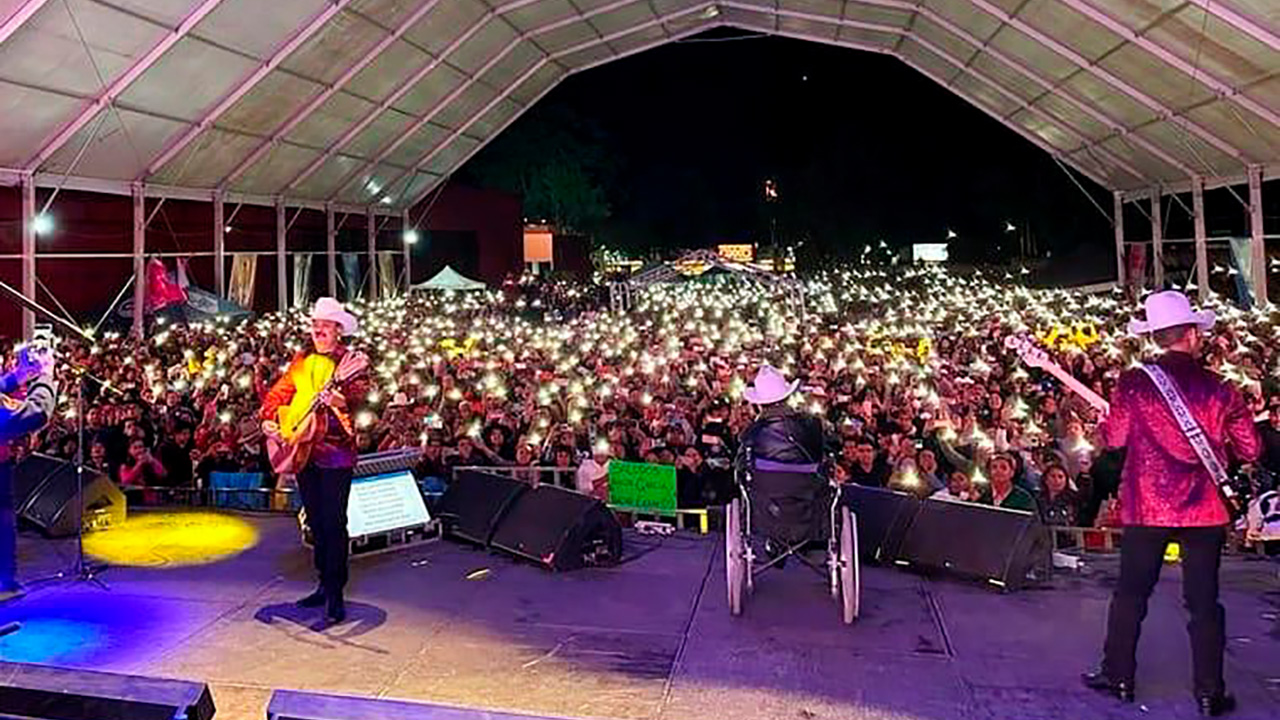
(863, 149)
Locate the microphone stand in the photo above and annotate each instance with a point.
(81, 570)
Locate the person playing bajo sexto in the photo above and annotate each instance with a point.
(308, 421)
(34, 371)
(1181, 424)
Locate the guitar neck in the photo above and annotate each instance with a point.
(1079, 388)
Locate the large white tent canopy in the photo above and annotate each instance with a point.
(367, 106)
(363, 102)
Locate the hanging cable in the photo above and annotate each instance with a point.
(1110, 220)
(55, 300)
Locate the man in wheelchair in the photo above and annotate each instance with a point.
(780, 467)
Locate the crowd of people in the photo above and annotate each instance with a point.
(908, 368)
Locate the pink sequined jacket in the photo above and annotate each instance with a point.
(1163, 483)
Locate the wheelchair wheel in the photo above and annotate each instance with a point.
(850, 575)
(734, 555)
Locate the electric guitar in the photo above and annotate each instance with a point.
(1036, 357)
(299, 432)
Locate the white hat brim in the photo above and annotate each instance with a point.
(755, 398)
(1205, 319)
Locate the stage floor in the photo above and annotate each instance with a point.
(650, 639)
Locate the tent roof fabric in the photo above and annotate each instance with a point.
(449, 279)
(376, 102)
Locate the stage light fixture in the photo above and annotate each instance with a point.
(42, 224)
(410, 237)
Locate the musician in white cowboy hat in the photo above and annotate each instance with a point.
(781, 439)
(1167, 493)
(325, 480)
(1171, 309)
(329, 310)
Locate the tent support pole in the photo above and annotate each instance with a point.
(282, 272)
(330, 249)
(219, 245)
(139, 260)
(28, 251)
(372, 230)
(1202, 243)
(1117, 223)
(1157, 239)
(408, 258)
(1257, 243)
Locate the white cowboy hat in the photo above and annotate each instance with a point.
(1170, 309)
(327, 308)
(769, 387)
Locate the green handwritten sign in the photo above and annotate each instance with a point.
(640, 486)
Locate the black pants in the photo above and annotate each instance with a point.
(1141, 556)
(324, 496)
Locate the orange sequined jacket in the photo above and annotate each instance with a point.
(337, 449)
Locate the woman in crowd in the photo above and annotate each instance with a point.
(1059, 504)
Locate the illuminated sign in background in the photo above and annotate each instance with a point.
(741, 252)
(929, 252)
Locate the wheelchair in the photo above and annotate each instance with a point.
(778, 515)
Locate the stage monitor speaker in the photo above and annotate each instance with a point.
(296, 705)
(884, 516)
(45, 495)
(475, 502)
(43, 692)
(560, 529)
(997, 545)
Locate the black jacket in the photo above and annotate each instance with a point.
(785, 437)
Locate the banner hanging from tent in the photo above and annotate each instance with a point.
(244, 270)
(387, 285)
(351, 275)
(161, 291)
(302, 279)
(1243, 257)
(1136, 266)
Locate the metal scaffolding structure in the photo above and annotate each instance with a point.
(366, 106)
(621, 294)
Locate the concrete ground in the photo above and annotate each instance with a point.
(650, 639)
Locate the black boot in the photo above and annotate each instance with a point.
(336, 609)
(1098, 680)
(1214, 705)
(315, 599)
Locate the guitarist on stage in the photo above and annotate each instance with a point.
(325, 479)
(18, 417)
(1167, 493)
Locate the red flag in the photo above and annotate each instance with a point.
(161, 292)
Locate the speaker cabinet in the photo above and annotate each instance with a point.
(42, 692)
(560, 529)
(475, 502)
(45, 495)
(884, 517)
(997, 545)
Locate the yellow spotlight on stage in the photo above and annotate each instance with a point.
(172, 539)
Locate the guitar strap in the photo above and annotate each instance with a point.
(1193, 432)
